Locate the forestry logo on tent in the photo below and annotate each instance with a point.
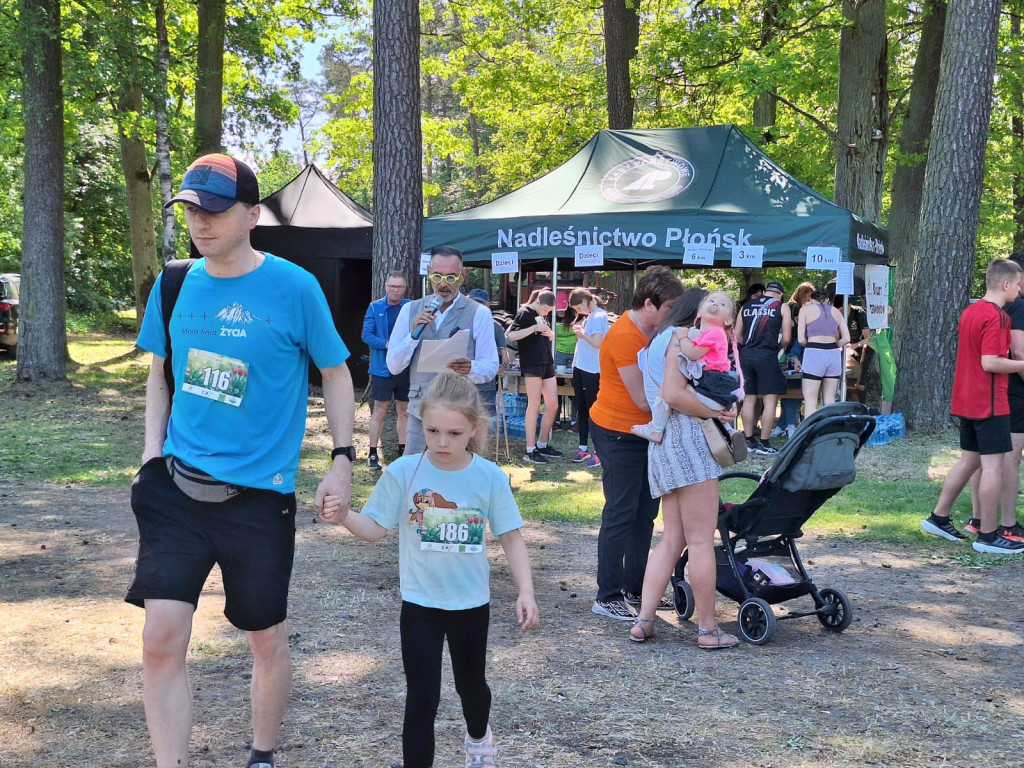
(647, 179)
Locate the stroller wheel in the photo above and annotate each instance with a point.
(757, 621)
(682, 599)
(836, 613)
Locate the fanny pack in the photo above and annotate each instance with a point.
(198, 485)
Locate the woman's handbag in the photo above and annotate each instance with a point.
(727, 446)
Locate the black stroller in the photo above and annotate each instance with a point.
(811, 468)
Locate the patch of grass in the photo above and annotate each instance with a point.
(90, 430)
(86, 430)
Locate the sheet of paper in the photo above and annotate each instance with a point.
(435, 354)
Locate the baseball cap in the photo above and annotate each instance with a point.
(777, 287)
(479, 294)
(214, 183)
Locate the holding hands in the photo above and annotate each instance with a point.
(330, 510)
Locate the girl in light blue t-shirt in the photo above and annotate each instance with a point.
(441, 501)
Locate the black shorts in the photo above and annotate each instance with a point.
(383, 388)
(251, 537)
(1016, 413)
(986, 436)
(545, 371)
(762, 375)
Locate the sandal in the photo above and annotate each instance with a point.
(638, 622)
(722, 639)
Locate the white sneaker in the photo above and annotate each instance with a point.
(790, 431)
(778, 431)
(481, 754)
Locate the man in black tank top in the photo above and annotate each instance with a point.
(764, 326)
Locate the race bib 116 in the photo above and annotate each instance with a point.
(216, 377)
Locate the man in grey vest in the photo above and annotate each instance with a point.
(455, 313)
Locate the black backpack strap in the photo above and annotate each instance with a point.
(170, 286)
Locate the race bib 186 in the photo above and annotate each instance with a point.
(216, 377)
(455, 530)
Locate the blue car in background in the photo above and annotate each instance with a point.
(10, 285)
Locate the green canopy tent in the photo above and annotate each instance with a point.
(644, 195)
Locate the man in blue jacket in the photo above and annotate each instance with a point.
(377, 326)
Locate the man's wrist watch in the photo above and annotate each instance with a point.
(346, 450)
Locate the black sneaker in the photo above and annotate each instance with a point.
(633, 599)
(547, 450)
(1012, 532)
(998, 545)
(613, 609)
(535, 457)
(938, 526)
(373, 462)
(764, 448)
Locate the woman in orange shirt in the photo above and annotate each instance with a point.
(627, 520)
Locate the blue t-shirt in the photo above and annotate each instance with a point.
(441, 518)
(392, 310)
(242, 347)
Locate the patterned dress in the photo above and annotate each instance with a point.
(682, 458)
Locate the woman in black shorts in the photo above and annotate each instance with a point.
(532, 335)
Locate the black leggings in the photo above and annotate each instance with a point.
(423, 631)
(585, 384)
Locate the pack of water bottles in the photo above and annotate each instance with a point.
(888, 427)
(515, 411)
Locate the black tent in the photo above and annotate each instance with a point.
(312, 223)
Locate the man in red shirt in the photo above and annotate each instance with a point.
(980, 400)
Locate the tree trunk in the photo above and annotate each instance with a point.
(622, 285)
(1017, 128)
(908, 177)
(621, 37)
(42, 345)
(210, 77)
(163, 139)
(397, 142)
(862, 117)
(949, 211)
(765, 103)
(139, 186)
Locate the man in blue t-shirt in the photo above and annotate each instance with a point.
(378, 324)
(217, 483)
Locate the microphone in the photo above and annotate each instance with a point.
(432, 305)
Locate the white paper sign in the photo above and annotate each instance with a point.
(589, 255)
(424, 264)
(820, 257)
(703, 255)
(876, 295)
(505, 263)
(435, 354)
(747, 256)
(844, 278)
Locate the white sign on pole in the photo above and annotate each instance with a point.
(505, 263)
(589, 255)
(844, 278)
(747, 256)
(876, 295)
(703, 255)
(424, 264)
(820, 257)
